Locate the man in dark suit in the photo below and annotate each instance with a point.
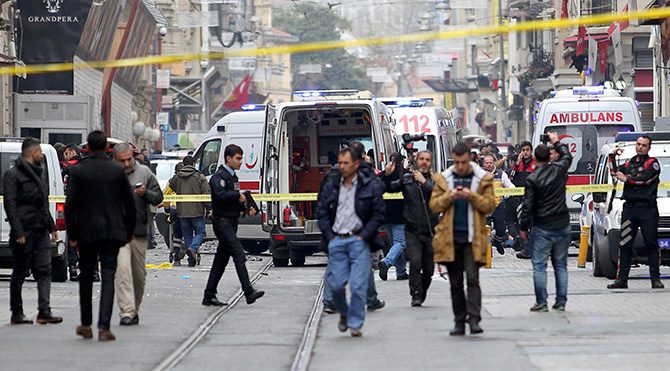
(100, 214)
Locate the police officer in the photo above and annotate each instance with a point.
(227, 205)
(500, 180)
(640, 176)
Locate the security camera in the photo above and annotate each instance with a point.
(163, 31)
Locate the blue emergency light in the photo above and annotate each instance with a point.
(253, 107)
(588, 90)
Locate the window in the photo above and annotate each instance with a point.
(207, 161)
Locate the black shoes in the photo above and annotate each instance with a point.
(499, 247)
(657, 284)
(253, 295)
(539, 308)
(74, 276)
(96, 276)
(213, 302)
(559, 307)
(417, 300)
(329, 309)
(458, 330)
(342, 324)
(45, 317)
(18, 318)
(130, 321)
(523, 255)
(402, 277)
(383, 270)
(376, 306)
(475, 328)
(619, 284)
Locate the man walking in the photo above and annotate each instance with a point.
(520, 172)
(416, 187)
(227, 205)
(394, 225)
(500, 180)
(71, 158)
(350, 211)
(189, 181)
(131, 272)
(544, 205)
(26, 202)
(100, 215)
(464, 195)
(640, 175)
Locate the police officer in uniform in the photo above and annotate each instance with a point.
(640, 176)
(227, 205)
(500, 180)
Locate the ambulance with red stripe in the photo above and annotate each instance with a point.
(585, 118)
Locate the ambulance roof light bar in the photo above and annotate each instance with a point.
(321, 95)
(253, 107)
(588, 90)
(632, 136)
(407, 102)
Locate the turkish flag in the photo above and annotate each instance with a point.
(581, 40)
(602, 55)
(564, 9)
(239, 96)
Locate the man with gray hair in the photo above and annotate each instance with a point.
(131, 272)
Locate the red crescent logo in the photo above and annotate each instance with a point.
(252, 165)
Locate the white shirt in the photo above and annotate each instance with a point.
(346, 219)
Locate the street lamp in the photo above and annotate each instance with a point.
(621, 84)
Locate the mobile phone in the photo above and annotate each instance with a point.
(138, 185)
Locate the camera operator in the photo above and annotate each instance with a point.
(520, 172)
(416, 187)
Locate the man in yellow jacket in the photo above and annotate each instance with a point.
(463, 194)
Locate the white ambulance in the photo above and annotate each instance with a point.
(585, 118)
(419, 116)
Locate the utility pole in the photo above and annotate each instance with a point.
(502, 86)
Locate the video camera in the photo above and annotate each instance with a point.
(409, 139)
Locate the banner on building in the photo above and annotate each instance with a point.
(581, 40)
(564, 9)
(616, 44)
(602, 55)
(40, 21)
(593, 53)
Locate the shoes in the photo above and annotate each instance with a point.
(84, 331)
(96, 276)
(181, 254)
(376, 306)
(383, 270)
(458, 330)
(45, 317)
(18, 318)
(559, 307)
(130, 321)
(177, 263)
(417, 300)
(356, 333)
(253, 295)
(135, 320)
(499, 247)
(475, 328)
(342, 324)
(619, 284)
(213, 302)
(329, 309)
(197, 259)
(171, 258)
(523, 255)
(657, 284)
(74, 276)
(105, 335)
(539, 308)
(402, 277)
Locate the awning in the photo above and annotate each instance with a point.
(596, 37)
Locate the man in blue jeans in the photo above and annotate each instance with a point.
(350, 211)
(544, 205)
(189, 181)
(394, 225)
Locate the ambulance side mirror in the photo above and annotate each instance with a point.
(578, 198)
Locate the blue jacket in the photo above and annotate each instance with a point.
(369, 204)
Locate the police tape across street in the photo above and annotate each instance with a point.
(588, 188)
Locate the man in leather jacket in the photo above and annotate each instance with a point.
(544, 205)
(520, 171)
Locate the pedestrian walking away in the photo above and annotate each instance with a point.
(228, 203)
(100, 214)
(394, 225)
(416, 187)
(500, 181)
(544, 205)
(350, 211)
(189, 181)
(463, 194)
(131, 271)
(32, 229)
(640, 176)
(173, 219)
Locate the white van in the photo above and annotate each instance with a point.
(418, 116)
(245, 129)
(10, 150)
(585, 118)
(301, 143)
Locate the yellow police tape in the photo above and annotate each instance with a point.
(164, 265)
(464, 32)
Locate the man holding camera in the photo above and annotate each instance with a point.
(416, 187)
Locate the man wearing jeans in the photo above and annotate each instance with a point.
(544, 205)
(189, 181)
(350, 211)
(394, 225)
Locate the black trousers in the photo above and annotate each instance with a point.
(465, 309)
(419, 250)
(499, 217)
(106, 252)
(229, 246)
(644, 217)
(36, 253)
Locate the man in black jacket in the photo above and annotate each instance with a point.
(350, 211)
(394, 225)
(525, 166)
(26, 202)
(100, 215)
(544, 205)
(416, 187)
(227, 205)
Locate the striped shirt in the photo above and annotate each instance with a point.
(346, 219)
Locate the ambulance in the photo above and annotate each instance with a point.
(301, 142)
(419, 116)
(586, 118)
